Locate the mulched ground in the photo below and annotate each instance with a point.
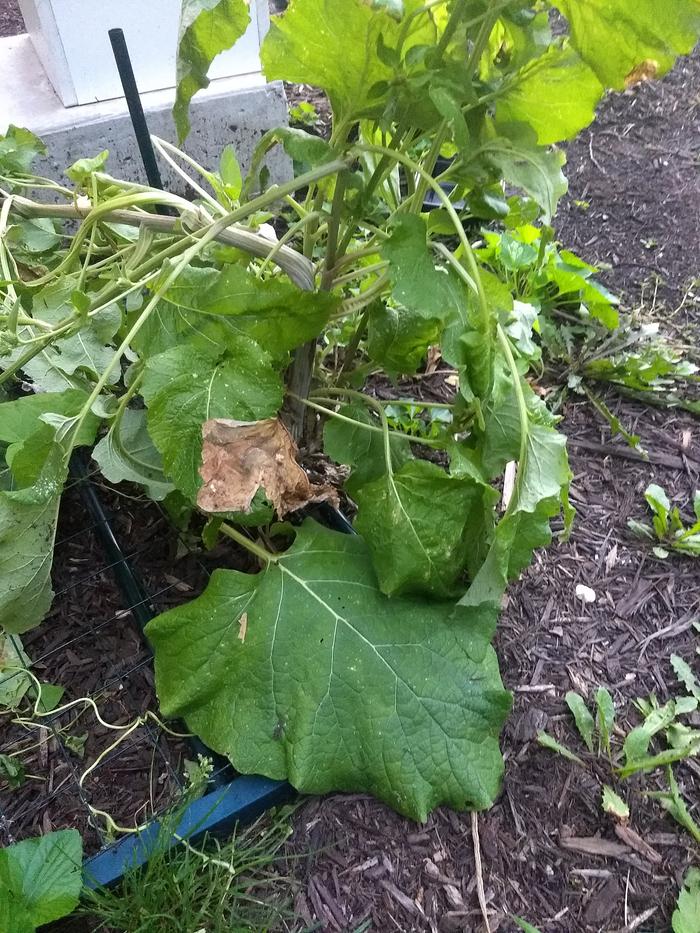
(11, 22)
(634, 203)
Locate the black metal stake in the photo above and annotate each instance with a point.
(133, 100)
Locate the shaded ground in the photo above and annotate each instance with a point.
(634, 204)
(11, 22)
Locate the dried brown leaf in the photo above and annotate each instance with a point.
(240, 457)
(644, 71)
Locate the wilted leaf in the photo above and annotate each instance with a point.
(421, 525)
(27, 528)
(241, 457)
(127, 453)
(14, 679)
(184, 387)
(207, 28)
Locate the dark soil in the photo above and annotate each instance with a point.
(368, 868)
(90, 646)
(11, 22)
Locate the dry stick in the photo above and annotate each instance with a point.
(607, 450)
(479, 872)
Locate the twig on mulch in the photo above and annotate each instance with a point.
(608, 450)
(479, 872)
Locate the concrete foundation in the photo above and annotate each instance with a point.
(234, 111)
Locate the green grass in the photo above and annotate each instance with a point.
(214, 887)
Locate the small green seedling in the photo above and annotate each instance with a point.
(667, 526)
(304, 113)
(524, 925)
(681, 741)
(588, 727)
(675, 806)
(686, 916)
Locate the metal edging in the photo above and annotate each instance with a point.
(217, 812)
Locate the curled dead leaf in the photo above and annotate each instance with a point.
(240, 457)
(644, 71)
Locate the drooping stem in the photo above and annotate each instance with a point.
(456, 222)
(315, 400)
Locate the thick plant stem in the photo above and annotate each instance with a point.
(351, 348)
(299, 384)
(302, 369)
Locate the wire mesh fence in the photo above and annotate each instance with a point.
(113, 570)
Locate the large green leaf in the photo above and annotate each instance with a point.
(126, 453)
(556, 94)
(430, 292)
(398, 338)
(207, 28)
(184, 387)
(14, 916)
(332, 44)
(421, 524)
(275, 312)
(615, 37)
(533, 169)
(27, 530)
(20, 418)
(42, 878)
(307, 671)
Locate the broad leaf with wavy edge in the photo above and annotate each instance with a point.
(615, 37)
(207, 28)
(334, 686)
(422, 525)
(27, 529)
